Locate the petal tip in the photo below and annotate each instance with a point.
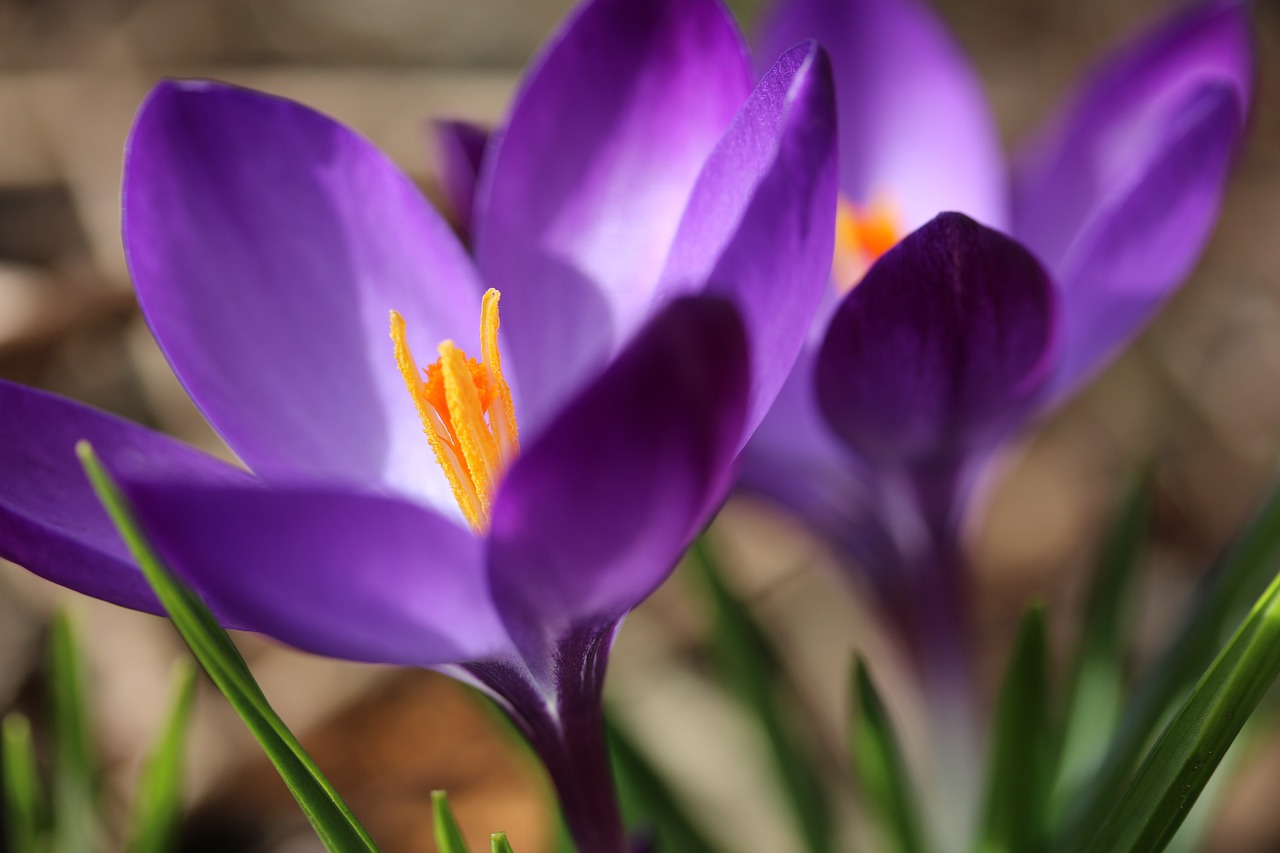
(948, 342)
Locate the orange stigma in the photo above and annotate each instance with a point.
(466, 411)
(863, 234)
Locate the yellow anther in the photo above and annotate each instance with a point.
(502, 416)
(863, 234)
(466, 411)
(466, 416)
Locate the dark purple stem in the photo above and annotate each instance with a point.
(566, 729)
(920, 569)
(942, 588)
(940, 598)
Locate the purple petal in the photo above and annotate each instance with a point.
(1135, 253)
(794, 459)
(593, 516)
(1121, 123)
(342, 574)
(268, 245)
(50, 520)
(915, 127)
(460, 146)
(945, 345)
(584, 193)
(760, 226)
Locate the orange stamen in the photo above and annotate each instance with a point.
(503, 417)
(466, 411)
(863, 234)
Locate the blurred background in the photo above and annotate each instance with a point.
(1199, 394)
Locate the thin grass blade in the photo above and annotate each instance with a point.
(498, 843)
(1221, 602)
(1193, 835)
(1189, 749)
(878, 763)
(447, 833)
(158, 805)
(23, 799)
(74, 783)
(648, 802)
(1095, 692)
(1021, 751)
(750, 665)
(329, 815)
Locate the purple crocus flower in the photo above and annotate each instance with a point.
(948, 343)
(1115, 196)
(660, 234)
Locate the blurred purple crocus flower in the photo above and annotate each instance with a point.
(1115, 196)
(949, 342)
(660, 234)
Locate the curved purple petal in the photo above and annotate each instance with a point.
(460, 146)
(268, 244)
(595, 514)
(342, 574)
(1136, 252)
(50, 520)
(760, 225)
(1122, 121)
(946, 344)
(915, 126)
(584, 193)
(793, 457)
(794, 460)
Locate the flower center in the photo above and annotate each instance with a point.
(466, 411)
(863, 234)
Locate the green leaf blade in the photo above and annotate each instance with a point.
(74, 783)
(647, 800)
(1183, 759)
(158, 807)
(448, 834)
(1095, 693)
(23, 800)
(334, 823)
(1021, 752)
(880, 766)
(750, 665)
(498, 843)
(1223, 598)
